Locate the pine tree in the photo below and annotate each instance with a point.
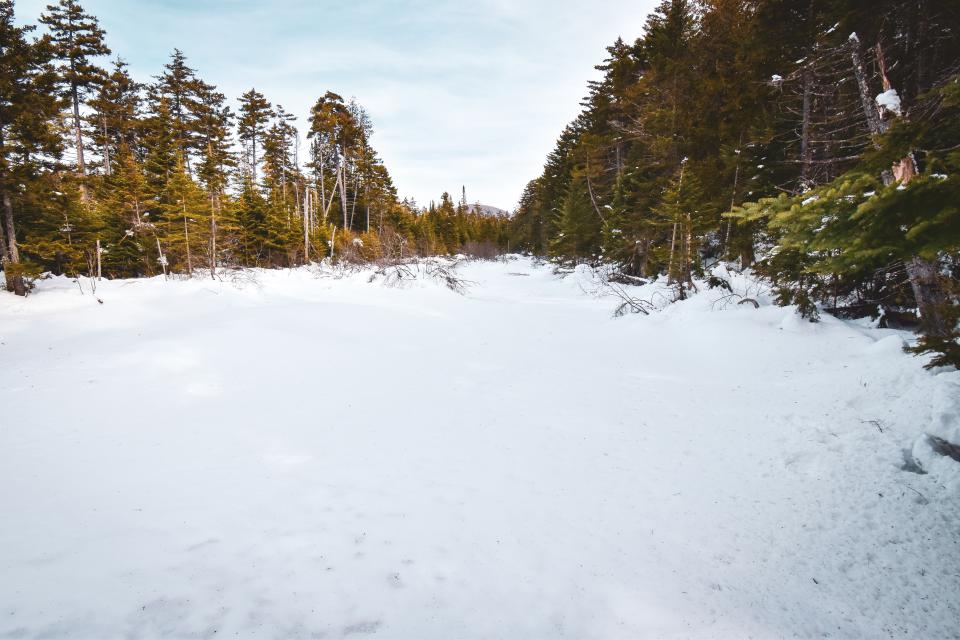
(59, 231)
(579, 233)
(28, 109)
(77, 38)
(335, 135)
(527, 232)
(130, 238)
(179, 87)
(681, 216)
(115, 120)
(163, 202)
(160, 144)
(255, 114)
(281, 178)
(214, 120)
(252, 215)
(184, 217)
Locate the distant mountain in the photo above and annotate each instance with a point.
(487, 210)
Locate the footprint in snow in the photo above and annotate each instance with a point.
(362, 628)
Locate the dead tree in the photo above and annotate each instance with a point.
(11, 254)
(822, 106)
(923, 274)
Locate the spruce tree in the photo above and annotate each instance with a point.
(160, 144)
(77, 38)
(255, 114)
(252, 215)
(335, 136)
(214, 120)
(129, 235)
(184, 216)
(579, 231)
(281, 179)
(179, 86)
(28, 110)
(115, 120)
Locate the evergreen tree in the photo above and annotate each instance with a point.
(163, 202)
(335, 136)
(160, 144)
(129, 245)
(28, 109)
(255, 114)
(282, 179)
(252, 215)
(178, 87)
(579, 234)
(213, 126)
(115, 120)
(185, 214)
(77, 37)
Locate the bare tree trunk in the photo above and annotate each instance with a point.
(733, 202)
(306, 226)
(107, 168)
(81, 164)
(296, 199)
(308, 206)
(5, 257)
(353, 207)
(876, 125)
(882, 64)
(186, 238)
(253, 157)
(214, 208)
(673, 246)
(806, 153)
(323, 185)
(673, 240)
(99, 261)
(329, 205)
(15, 281)
(593, 199)
(162, 259)
(343, 197)
(931, 299)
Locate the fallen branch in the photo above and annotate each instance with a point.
(398, 271)
(945, 448)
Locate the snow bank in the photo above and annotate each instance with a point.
(308, 454)
(935, 410)
(943, 423)
(946, 407)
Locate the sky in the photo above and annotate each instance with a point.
(470, 93)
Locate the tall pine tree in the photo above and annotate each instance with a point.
(77, 38)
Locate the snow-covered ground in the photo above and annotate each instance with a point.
(313, 457)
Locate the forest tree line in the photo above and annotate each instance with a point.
(103, 174)
(817, 141)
